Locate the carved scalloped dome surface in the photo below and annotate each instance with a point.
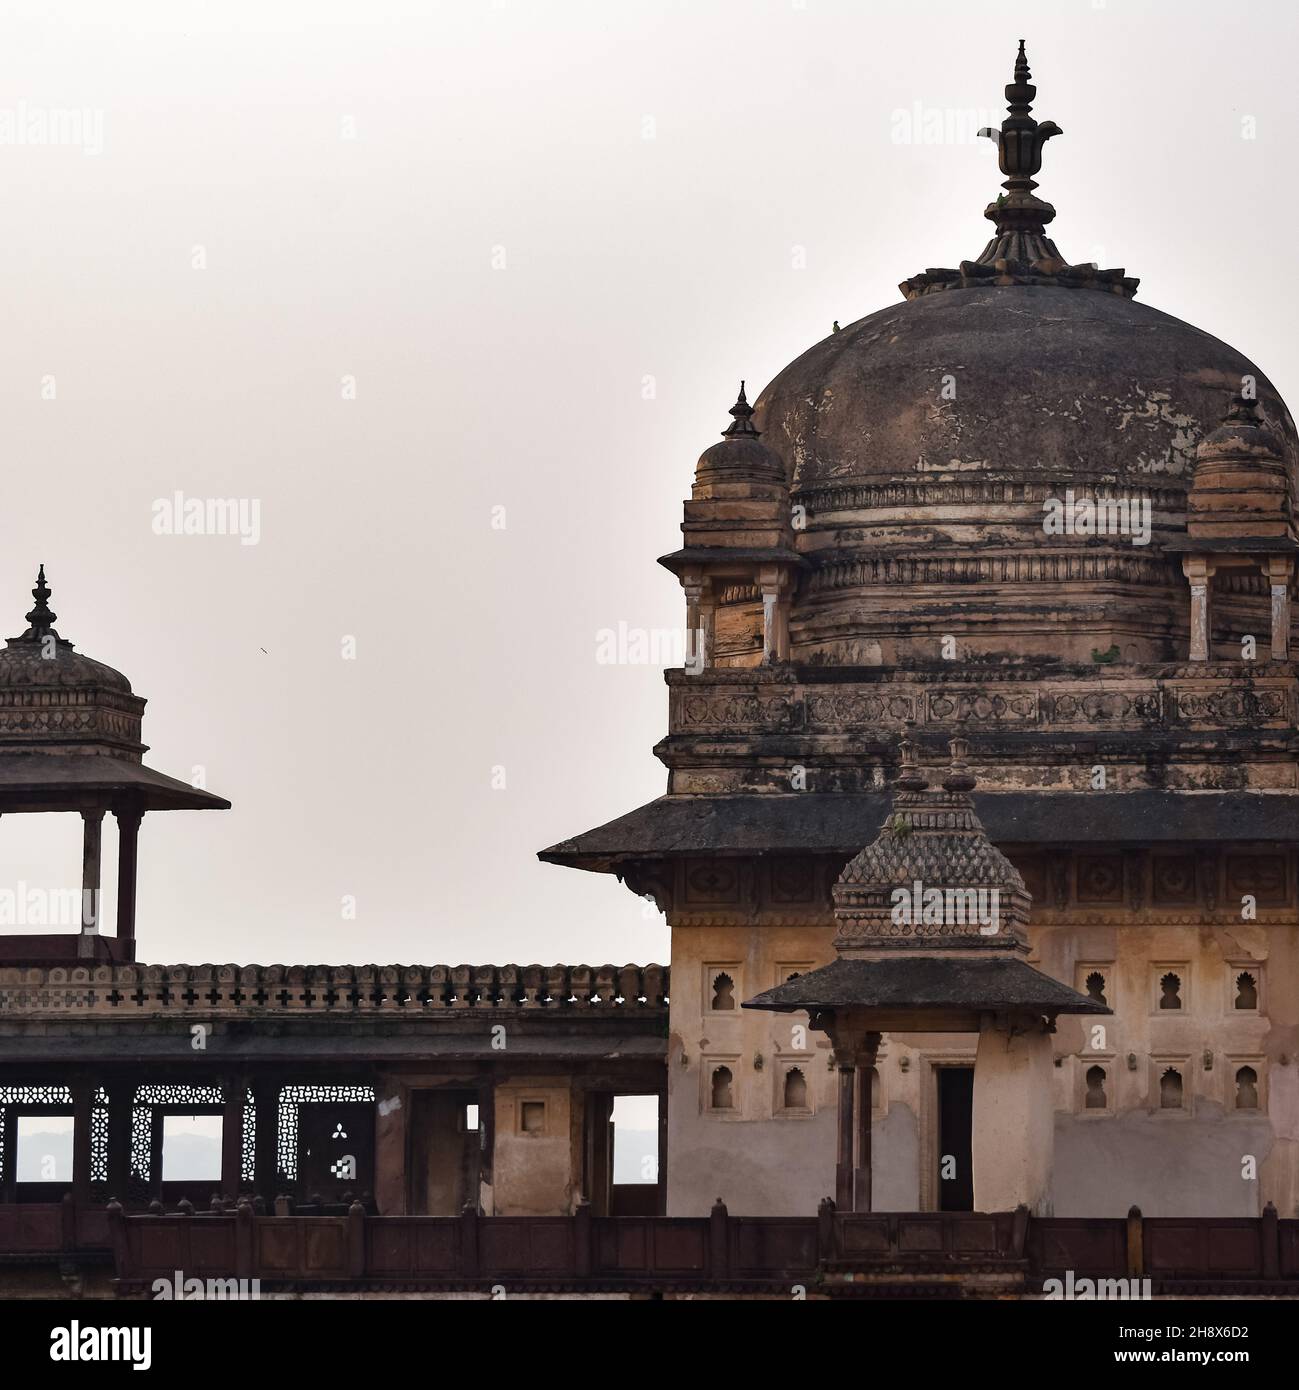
(1050, 384)
(21, 664)
(935, 845)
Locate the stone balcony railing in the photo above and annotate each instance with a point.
(126, 991)
(833, 1253)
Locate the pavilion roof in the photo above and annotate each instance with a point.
(39, 781)
(839, 823)
(926, 983)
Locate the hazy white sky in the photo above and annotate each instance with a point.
(290, 194)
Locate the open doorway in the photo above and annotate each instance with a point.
(955, 1129)
(623, 1154)
(445, 1149)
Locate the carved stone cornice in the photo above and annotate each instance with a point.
(127, 993)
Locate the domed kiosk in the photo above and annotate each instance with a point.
(70, 741)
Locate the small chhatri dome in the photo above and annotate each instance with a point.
(741, 457)
(931, 840)
(40, 657)
(1240, 491)
(55, 699)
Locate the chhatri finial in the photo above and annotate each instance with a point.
(910, 777)
(742, 419)
(959, 778)
(41, 619)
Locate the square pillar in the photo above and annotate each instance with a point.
(701, 607)
(392, 1144)
(862, 1186)
(1013, 1130)
(1199, 572)
(83, 1095)
(1279, 571)
(121, 1095)
(234, 1090)
(128, 831)
(266, 1099)
(774, 584)
(92, 837)
(843, 1184)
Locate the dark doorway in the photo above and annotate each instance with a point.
(955, 1162)
(445, 1145)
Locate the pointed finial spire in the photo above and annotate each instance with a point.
(742, 419)
(959, 778)
(1021, 217)
(910, 777)
(41, 619)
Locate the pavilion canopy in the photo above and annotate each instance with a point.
(928, 982)
(36, 781)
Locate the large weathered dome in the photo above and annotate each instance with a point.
(1018, 384)
(927, 445)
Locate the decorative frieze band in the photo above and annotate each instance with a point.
(1116, 565)
(1231, 703)
(821, 498)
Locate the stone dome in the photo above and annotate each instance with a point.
(924, 443)
(1045, 385)
(739, 457)
(21, 664)
(54, 699)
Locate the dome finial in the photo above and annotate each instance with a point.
(41, 619)
(742, 422)
(1021, 218)
(1020, 253)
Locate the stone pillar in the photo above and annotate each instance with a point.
(843, 1184)
(775, 614)
(862, 1184)
(90, 855)
(391, 1144)
(700, 608)
(1014, 1115)
(128, 831)
(1199, 571)
(83, 1095)
(707, 623)
(266, 1099)
(121, 1095)
(1278, 577)
(234, 1090)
